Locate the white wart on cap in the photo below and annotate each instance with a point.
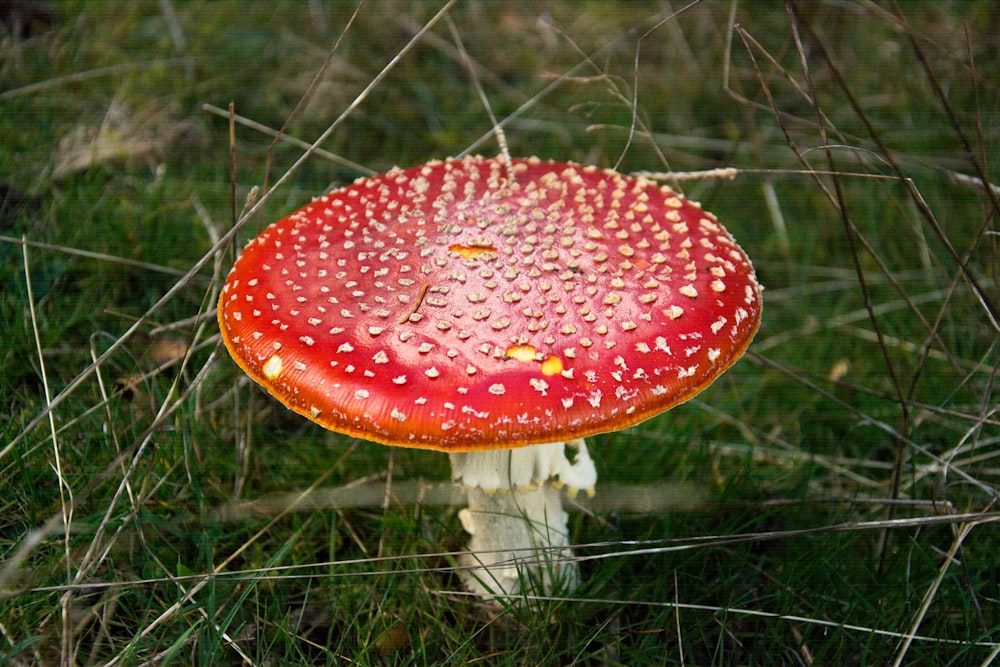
(447, 307)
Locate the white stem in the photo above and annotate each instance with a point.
(520, 538)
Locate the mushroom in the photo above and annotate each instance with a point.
(498, 311)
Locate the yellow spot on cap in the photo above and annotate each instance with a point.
(521, 352)
(272, 367)
(469, 251)
(552, 365)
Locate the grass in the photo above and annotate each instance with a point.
(833, 496)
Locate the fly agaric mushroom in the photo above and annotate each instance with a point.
(497, 311)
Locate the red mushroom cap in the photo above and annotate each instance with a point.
(446, 307)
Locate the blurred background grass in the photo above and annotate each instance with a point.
(868, 396)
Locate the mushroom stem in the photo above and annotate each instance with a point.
(520, 538)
